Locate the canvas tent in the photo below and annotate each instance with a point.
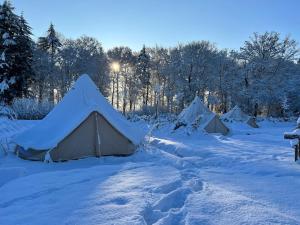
(197, 115)
(237, 115)
(82, 124)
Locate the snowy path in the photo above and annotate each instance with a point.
(248, 177)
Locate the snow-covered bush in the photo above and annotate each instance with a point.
(7, 112)
(4, 146)
(28, 108)
(162, 117)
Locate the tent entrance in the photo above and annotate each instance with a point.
(98, 138)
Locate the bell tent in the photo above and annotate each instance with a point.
(198, 115)
(237, 115)
(82, 124)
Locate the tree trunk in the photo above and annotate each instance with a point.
(225, 103)
(118, 94)
(51, 80)
(130, 105)
(41, 90)
(125, 96)
(190, 78)
(113, 91)
(157, 101)
(147, 95)
(163, 95)
(255, 109)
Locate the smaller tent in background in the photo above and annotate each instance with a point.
(237, 115)
(197, 115)
(82, 124)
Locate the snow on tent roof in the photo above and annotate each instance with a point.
(235, 114)
(192, 112)
(83, 99)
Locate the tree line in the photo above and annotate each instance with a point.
(262, 77)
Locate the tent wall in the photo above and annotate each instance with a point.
(82, 142)
(215, 125)
(112, 141)
(79, 144)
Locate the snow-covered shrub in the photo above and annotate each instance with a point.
(137, 116)
(4, 146)
(7, 112)
(133, 117)
(28, 108)
(147, 110)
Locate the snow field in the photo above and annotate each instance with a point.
(247, 177)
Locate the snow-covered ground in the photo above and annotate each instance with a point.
(247, 177)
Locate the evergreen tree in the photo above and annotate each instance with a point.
(143, 72)
(15, 52)
(25, 44)
(50, 44)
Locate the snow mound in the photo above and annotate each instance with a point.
(83, 99)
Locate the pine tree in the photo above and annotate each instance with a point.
(15, 52)
(25, 44)
(50, 44)
(143, 72)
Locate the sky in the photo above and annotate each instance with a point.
(133, 23)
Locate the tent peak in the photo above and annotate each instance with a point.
(84, 81)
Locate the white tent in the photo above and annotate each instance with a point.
(237, 115)
(82, 124)
(198, 115)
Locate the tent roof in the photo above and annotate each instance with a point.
(70, 112)
(235, 114)
(196, 115)
(193, 111)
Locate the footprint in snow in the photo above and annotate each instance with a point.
(120, 201)
(173, 200)
(167, 188)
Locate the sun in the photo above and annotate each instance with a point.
(115, 66)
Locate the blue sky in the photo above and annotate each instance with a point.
(228, 23)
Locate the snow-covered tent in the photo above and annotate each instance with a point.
(199, 116)
(237, 115)
(83, 124)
